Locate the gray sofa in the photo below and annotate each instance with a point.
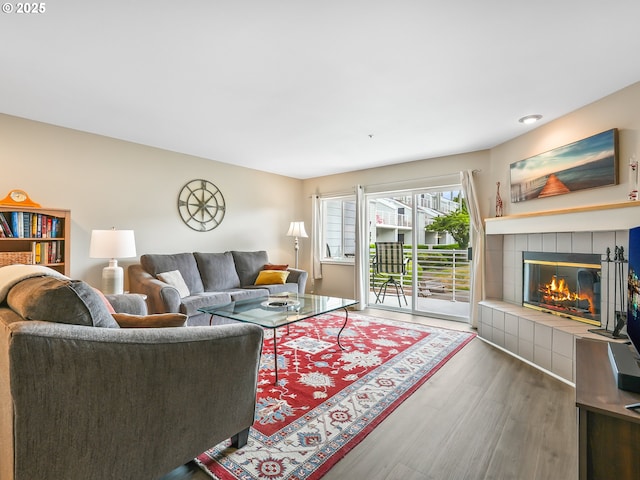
(210, 279)
(80, 401)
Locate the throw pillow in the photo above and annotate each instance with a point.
(58, 300)
(271, 277)
(156, 263)
(174, 278)
(158, 320)
(104, 299)
(273, 266)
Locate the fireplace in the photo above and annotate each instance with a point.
(564, 284)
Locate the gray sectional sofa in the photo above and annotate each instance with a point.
(209, 279)
(82, 398)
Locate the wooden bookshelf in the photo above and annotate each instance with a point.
(38, 235)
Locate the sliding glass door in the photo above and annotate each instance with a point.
(418, 252)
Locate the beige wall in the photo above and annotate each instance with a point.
(111, 183)
(107, 182)
(620, 110)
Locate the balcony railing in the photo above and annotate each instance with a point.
(393, 219)
(442, 274)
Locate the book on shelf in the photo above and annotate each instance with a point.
(4, 225)
(18, 224)
(26, 224)
(49, 252)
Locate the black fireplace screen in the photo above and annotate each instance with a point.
(565, 284)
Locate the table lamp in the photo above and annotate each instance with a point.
(112, 244)
(296, 229)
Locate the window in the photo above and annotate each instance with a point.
(339, 228)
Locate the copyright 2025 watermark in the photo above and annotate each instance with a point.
(24, 8)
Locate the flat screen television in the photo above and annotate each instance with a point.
(624, 359)
(633, 289)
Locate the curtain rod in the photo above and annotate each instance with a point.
(435, 177)
(413, 180)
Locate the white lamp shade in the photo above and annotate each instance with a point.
(296, 229)
(112, 244)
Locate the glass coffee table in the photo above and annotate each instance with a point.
(279, 310)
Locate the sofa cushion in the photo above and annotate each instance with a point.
(248, 293)
(270, 277)
(248, 265)
(276, 288)
(185, 262)
(58, 300)
(217, 270)
(190, 305)
(174, 278)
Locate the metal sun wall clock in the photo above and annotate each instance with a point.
(201, 205)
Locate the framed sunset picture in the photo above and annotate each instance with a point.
(588, 163)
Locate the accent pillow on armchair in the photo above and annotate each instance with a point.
(59, 300)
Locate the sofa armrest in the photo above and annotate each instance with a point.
(161, 297)
(299, 277)
(132, 303)
(151, 398)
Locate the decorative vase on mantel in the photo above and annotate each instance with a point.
(633, 178)
(499, 209)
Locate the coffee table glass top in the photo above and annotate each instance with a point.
(278, 309)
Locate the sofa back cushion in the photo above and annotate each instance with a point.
(59, 300)
(217, 270)
(184, 262)
(248, 265)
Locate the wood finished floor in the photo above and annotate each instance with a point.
(484, 415)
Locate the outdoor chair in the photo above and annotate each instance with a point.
(390, 262)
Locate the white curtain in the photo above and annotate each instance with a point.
(477, 244)
(316, 238)
(362, 250)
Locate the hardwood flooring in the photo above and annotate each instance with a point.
(484, 415)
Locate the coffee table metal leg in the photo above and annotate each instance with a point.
(346, 318)
(275, 353)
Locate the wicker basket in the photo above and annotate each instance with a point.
(10, 258)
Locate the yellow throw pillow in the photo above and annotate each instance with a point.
(272, 277)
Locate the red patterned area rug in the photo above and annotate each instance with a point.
(327, 399)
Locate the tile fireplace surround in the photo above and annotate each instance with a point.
(544, 340)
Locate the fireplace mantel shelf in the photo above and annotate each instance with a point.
(613, 216)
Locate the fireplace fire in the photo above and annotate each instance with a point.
(567, 285)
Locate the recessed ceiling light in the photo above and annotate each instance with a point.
(529, 119)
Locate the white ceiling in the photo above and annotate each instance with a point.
(297, 87)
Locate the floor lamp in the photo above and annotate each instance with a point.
(112, 244)
(296, 229)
